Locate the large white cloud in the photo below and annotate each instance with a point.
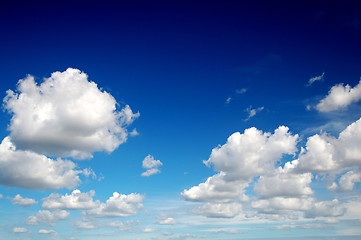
(252, 153)
(45, 217)
(119, 205)
(31, 170)
(75, 201)
(219, 210)
(340, 97)
(66, 115)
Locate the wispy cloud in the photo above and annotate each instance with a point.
(315, 79)
(252, 112)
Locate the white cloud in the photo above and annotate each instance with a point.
(314, 79)
(325, 209)
(340, 97)
(85, 224)
(119, 205)
(348, 180)
(75, 201)
(252, 153)
(45, 231)
(252, 112)
(66, 115)
(228, 100)
(20, 230)
(241, 91)
(162, 220)
(1, 196)
(23, 201)
(45, 217)
(149, 230)
(27, 169)
(122, 226)
(151, 165)
(219, 210)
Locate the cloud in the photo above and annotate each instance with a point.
(45, 231)
(66, 116)
(122, 226)
(45, 217)
(219, 210)
(314, 79)
(327, 154)
(340, 97)
(241, 91)
(252, 112)
(325, 209)
(228, 100)
(20, 230)
(26, 169)
(163, 220)
(149, 230)
(119, 205)
(75, 201)
(151, 165)
(18, 200)
(85, 224)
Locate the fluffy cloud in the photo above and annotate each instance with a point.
(252, 153)
(122, 226)
(325, 209)
(66, 115)
(119, 205)
(339, 97)
(328, 154)
(45, 231)
(252, 112)
(314, 79)
(19, 230)
(75, 201)
(23, 201)
(27, 169)
(85, 224)
(151, 165)
(45, 217)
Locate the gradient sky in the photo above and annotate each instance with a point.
(180, 120)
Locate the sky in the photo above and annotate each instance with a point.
(180, 120)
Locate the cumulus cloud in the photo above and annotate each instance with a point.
(339, 97)
(119, 205)
(27, 169)
(151, 165)
(75, 201)
(315, 79)
(20, 230)
(18, 200)
(66, 116)
(252, 112)
(46, 231)
(122, 226)
(45, 217)
(85, 223)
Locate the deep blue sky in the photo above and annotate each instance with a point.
(177, 62)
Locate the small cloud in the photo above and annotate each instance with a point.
(162, 220)
(315, 79)
(149, 230)
(45, 231)
(228, 100)
(252, 112)
(20, 230)
(18, 200)
(134, 133)
(241, 91)
(151, 165)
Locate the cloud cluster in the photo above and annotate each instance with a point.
(339, 97)
(66, 116)
(151, 165)
(45, 217)
(250, 160)
(75, 201)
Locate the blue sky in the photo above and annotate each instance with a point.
(180, 120)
